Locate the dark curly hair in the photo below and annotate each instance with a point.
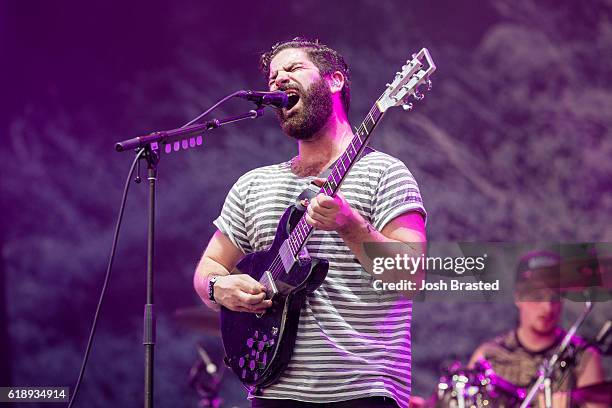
(326, 59)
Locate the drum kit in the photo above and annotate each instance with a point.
(481, 387)
(458, 387)
(207, 373)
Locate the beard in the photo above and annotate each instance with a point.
(311, 116)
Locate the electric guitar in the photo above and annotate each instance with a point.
(258, 347)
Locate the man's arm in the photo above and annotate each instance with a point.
(238, 292)
(590, 372)
(408, 230)
(478, 354)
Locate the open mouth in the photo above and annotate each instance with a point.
(292, 100)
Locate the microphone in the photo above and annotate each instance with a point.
(278, 99)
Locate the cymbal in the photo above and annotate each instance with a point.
(198, 318)
(597, 393)
(573, 277)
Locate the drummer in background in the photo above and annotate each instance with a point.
(516, 355)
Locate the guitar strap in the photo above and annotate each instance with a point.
(312, 190)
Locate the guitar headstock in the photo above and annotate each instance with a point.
(406, 83)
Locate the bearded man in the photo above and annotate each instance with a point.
(353, 342)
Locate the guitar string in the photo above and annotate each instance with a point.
(277, 262)
(361, 131)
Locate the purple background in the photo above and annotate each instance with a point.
(513, 143)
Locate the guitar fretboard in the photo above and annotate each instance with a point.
(300, 234)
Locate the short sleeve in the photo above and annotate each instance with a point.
(232, 220)
(397, 193)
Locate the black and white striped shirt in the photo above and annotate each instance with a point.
(353, 341)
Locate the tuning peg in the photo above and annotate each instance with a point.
(407, 106)
(418, 95)
(429, 84)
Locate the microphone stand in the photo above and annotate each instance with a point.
(174, 135)
(548, 365)
(150, 144)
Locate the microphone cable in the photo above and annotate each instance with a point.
(114, 248)
(94, 324)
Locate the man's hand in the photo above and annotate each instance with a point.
(241, 293)
(329, 213)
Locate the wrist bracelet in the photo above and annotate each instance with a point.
(211, 288)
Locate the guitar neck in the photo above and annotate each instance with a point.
(340, 169)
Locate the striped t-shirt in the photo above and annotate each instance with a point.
(352, 341)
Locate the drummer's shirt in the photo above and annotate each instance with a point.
(519, 365)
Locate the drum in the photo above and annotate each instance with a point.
(476, 388)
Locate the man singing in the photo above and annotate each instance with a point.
(353, 342)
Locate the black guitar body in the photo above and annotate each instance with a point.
(259, 347)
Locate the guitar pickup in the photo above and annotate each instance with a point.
(270, 285)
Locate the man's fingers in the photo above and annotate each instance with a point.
(250, 285)
(318, 181)
(258, 308)
(327, 202)
(252, 299)
(320, 218)
(318, 208)
(312, 222)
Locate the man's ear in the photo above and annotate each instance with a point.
(336, 81)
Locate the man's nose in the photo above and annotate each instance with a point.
(281, 80)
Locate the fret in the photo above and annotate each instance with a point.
(354, 151)
(371, 119)
(291, 243)
(342, 161)
(305, 229)
(296, 242)
(339, 173)
(336, 182)
(302, 230)
(359, 139)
